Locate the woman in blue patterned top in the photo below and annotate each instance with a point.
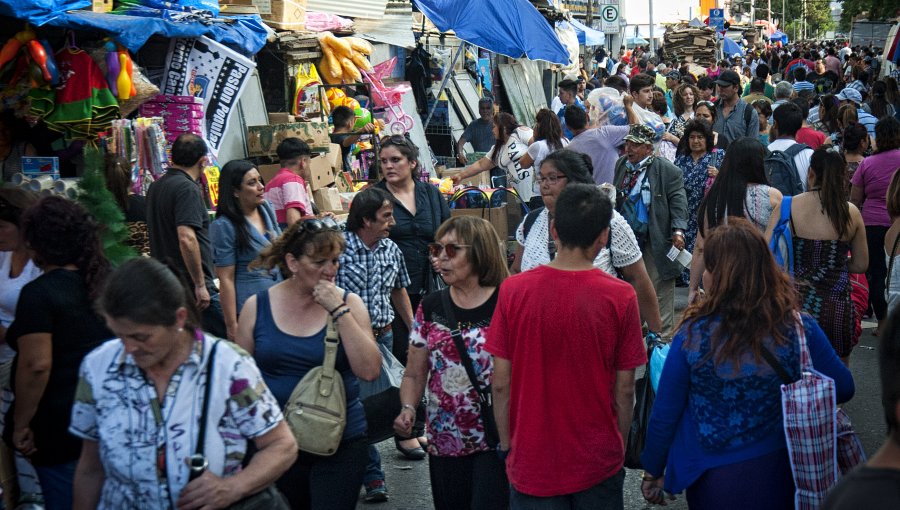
(716, 426)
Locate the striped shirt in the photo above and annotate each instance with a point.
(373, 274)
(803, 85)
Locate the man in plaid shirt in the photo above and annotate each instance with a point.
(372, 266)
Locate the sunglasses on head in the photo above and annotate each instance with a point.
(707, 104)
(435, 249)
(396, 140)
(314, 225)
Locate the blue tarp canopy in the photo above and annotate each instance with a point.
(513, 28)
(778, 35)
(246, 34)
(730, 47)
(586, 35)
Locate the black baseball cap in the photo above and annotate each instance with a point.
(728, 78)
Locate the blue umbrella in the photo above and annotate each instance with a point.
(730, 47)
(513, 28)
(636, 40)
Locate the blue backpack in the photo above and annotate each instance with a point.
(781, 243)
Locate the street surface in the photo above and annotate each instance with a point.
(409, 486)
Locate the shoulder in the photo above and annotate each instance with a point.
(222, 225)
(102, 357)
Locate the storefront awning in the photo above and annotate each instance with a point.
(586, 35)
(513, 28)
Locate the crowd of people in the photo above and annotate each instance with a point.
(519, 380)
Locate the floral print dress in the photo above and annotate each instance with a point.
(453, 422)
(696, 180)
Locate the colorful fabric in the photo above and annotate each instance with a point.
(696, 174)
(84, 105)
(373, 274)
(757, 206)
(455, 427)
(287, 190)
(144, 442)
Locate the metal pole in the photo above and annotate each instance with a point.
(462, 48)
(769, 10)
(652, 41)
(782, 24)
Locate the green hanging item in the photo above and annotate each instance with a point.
(93, 195)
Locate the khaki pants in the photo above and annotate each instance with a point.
(665, 293)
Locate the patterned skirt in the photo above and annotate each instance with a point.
(821, 277)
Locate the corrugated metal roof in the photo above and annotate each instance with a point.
(370, 9)
(394, 28)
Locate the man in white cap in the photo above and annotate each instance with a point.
(852, 96)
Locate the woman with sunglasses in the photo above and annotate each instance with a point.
(706, 110)
(621, 257)
(466, 472)
(283, 327)
(245, 224)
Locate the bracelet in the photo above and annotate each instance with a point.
(338, 307)
(342, 313)
(408, 406)
(647, 477)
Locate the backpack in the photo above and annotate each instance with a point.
(781, 170)
(781, 244)
(316, 411)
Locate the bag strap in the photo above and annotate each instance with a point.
(464, 358)
(775, 364)
(332, 339)
(805, 358)
(201, 435)
(887, 284)
(530, 218)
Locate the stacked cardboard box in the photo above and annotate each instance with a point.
(692, 45)
(180, 114)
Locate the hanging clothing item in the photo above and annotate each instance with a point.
(418, 74)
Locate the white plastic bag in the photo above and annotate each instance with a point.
(606, 107)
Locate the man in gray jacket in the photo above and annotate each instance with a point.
(651, 196)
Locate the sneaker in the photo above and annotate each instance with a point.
(376, 492)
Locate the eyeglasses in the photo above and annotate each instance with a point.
(315, 225)
(550, 179)
(435, 249)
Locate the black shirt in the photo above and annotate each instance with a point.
(172, 201)
(866, 487)
(413, 233)
(57, 303)
(478, 317)
(339, 138)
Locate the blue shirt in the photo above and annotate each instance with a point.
(705, 417)
(562, 118)
(226, 253)
(868, 120)
(373, 274)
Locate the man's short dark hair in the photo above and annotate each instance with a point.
(292, 148)
(570, 86)
(342, 115)
(188, 149)
(788, 118)
(762, 71)
(641, 81)
(485, 101)
(757, 85)
(799, 73)
(803, 104)
(583, 212)
(576, 117)
(616, 82)
(705, 83)
(365, 206)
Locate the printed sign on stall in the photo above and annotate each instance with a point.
(206, 69)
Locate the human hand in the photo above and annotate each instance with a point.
(326, 214)
(678, 241)
(712, 171)
(461, 158)
(403, 423)
(202, 296)
(328, 295)
(208, 492)
(456, 178)
(627, 100)
(653, 492)
(369, 128)
(23, 440)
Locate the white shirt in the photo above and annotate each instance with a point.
(510, 154)
(9, 295)
(538, 151)
(801, 160)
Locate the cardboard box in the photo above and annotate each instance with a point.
(263, 140)
(328, 199)
(321, 173)
(497, 216)
(480, 180)
(281, 118)
(283, 14)
(267, 172)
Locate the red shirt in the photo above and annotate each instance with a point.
(565, 333)
(810, 137)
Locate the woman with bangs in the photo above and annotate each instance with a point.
(716, 425)
(284, 327)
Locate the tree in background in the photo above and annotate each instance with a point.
(98, 201)
(873, 10)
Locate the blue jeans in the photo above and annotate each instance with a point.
(212, 317)
(56, 483)
(373, 468)
(606, 495)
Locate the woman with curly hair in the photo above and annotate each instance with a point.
(716, 425)
(55, 328)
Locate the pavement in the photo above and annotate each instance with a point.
(408, 481)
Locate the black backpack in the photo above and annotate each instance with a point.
(781, 171)
(532, 216)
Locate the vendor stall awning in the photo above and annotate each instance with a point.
(586, 35)
(371, 9)
(513, 28)
(394, 28)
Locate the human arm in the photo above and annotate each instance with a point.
(517, 260)
(624, 401)
(246, 324)
(355, 135)
(89, 477)
(678, 207)
(475, 168)
(228, 299)
(400, 300)
(415, 375)
(34, 362)
(354, 327)
(293, 215)
(190, 253)
(224, 251)
(857, 195)
(636, 275)
(825, 360)
(500, 397)
(628, 102)
(859, 249)
(527, 159)
(698, 266)
(276, 450)
(460, 147)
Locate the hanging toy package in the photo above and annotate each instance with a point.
(308, 103)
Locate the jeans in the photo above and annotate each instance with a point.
(56, 482)
(326, 483)
(606, 495)
(472, 482)
(877, 270)
(212, 317)
(373, 468)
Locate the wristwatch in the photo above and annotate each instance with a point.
(678, 232)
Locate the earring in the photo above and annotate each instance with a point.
(180, 330)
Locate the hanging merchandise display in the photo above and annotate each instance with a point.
(343, 58)
(308, 103)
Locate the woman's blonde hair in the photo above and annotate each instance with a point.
(298, 240)
(485, 251)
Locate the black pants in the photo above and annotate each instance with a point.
(399, 349)
(473, 482)
(877, 270)
(326, 483)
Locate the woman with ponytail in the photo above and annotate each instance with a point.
(826, 228)
(55, 328)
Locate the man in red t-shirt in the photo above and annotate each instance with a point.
(806, 134)
(566, 339)
(287, 190)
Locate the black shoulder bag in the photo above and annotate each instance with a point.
(485, 401)
(434, 283)
(266, 499)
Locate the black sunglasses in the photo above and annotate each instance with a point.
(397, 140)
(314, 225)
(435, 249)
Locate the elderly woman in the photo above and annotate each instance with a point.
(136, 390)
(284, 327)
(54, 329)
(464, 467)
(621, 257)
(700, 161)
(705, 110)
(716, 425)
(245, 224)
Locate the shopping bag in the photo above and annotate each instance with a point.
(381, 397)
(644, 397)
